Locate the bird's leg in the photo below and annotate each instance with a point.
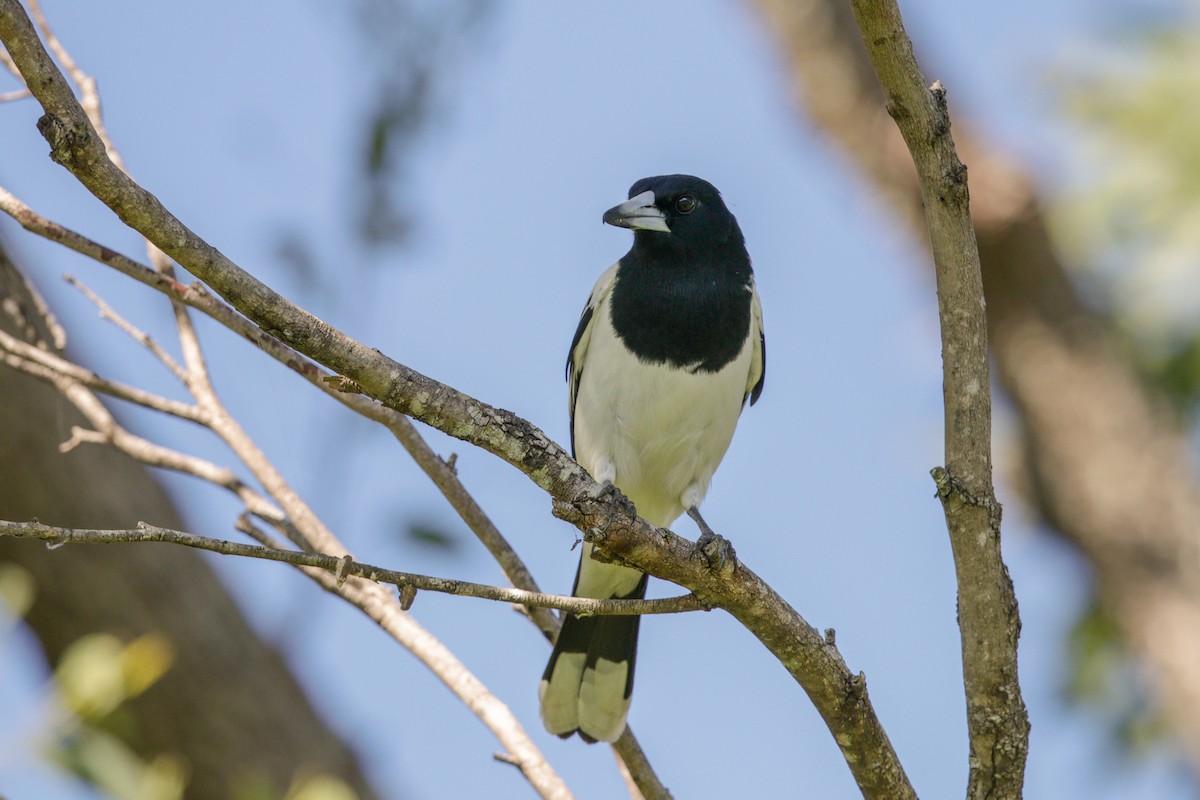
(714, 548)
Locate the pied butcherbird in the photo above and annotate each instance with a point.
(669, 348)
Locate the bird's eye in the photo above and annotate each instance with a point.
(685, 204)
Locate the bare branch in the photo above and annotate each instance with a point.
(90, 102)
(26, 357)
(106, 430)
(195, 296)
(133, 332)
(369, 597)
(381, 606)
(630, 784)
(987, 606)
(838, 694)
(344, 567)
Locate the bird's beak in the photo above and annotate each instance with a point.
(638, 213)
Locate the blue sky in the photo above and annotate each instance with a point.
(241, 118)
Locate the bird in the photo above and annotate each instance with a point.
(669, 349)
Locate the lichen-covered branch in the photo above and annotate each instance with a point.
(997, 721)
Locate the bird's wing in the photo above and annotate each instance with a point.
(577, 356)
(758, 359)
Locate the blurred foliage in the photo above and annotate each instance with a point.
(415, 47)
(1131, 212)
(409, 56)
(106, 763)
(95, 677)
(432, 534)
(320, 787)
(306, 786)
(411, 52)
(1102, 676)
(17, 588)
(98, 673)
(1129, 219)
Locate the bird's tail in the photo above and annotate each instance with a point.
(589, 680)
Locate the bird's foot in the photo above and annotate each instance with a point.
(616, 502)
(583, 507)
(714, 549)
(717, 551)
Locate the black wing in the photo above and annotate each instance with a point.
(762, 377)
(758, 359)
(583, 337)
(575, 365)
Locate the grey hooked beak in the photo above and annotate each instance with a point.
(638, 213)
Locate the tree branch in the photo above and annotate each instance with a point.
(987, 606)
(76, 145)
(197, 297)
(26, 357)
(345, 567)
(129, 329)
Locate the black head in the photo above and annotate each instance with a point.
(676, 212)
(682, 292)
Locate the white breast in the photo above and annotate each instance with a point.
(655, 431)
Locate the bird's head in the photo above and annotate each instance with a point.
(676, 211)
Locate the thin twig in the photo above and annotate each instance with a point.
(341, 567)
(90, 102)
(30, 359)
(106, 430)
(636, 768)
(381, 605)
(245, 524)
(132, 331)
(16, 94)
(50, 334)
